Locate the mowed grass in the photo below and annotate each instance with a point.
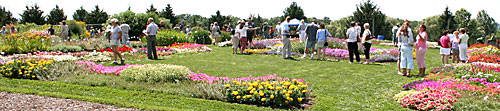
(337, 85)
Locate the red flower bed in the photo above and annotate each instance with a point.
(124, 48)
(430, 100)
(484, 58)
(479, 45)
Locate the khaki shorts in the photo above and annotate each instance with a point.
(320, 44)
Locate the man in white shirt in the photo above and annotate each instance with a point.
(352, 42)
(125, 28)
(278, 29)
(151, 31)
(285, 36)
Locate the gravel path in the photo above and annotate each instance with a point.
(23, 102)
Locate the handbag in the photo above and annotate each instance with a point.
(326, 42)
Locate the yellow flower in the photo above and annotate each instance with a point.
(235, 93)
(290, 92)
(244, 97)
(253, 89)
(300, 99)
(291, 99)
(287, 95)
(296, 88)
(251, 92)
(261, 94)
(27, 74)
(238, 97)
(260, 87)
(288, 83)
(304, 91)
(279, 88)
(294, 80)
(234, 82)
(18, 61)
(20, 73)
(25, 71)
(249, 96)
(249, 88)
(3, 66)
(44, 68)
(284, 91)
(22, 67)
(300, 83)
(286, 101)
(271, 87)
(227, 85)
(272, 97)
(255, 92)
(263, 99)
(304, 86)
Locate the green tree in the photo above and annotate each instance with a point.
(6, 16)
(368, 12)
(446, 21)
(33, 14)
(338, 28)
(168, 13)
(80, 14)
(487, 24)
(294, 11)
(56, 16)
(434, 29)
(217, 18)
(152, 9)
(97, 16)
(462, 17)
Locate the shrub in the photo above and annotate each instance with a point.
(167, 37)
(225, 36)
(58, 69)
(25, 42)
(200, 36)
(66, 48)
(24, 68)
(298, 47)
(76, 28)
(154, 73)
(137, 21)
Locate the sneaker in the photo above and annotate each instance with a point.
(312, 56)
(122, 61)
(114, 63)
(350, 62)
(305, 55)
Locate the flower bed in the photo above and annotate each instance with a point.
(23, 43)
(154, 73)
(176, 48)
(98, 68)
(23, 68)
(123, 48)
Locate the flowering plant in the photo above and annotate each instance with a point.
(432, 99)
(24, 68)
(123, 48)
(154, 73)
(98, 68)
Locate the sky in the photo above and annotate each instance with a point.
(334, 9)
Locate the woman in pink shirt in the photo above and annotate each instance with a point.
(445, 49)
(421, 48)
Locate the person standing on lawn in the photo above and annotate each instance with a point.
(445, 49)
(278, 29)
(64, 31)
(421, 49)
(352, 43)
(302, 31)
(410, 33)
(406, 43)
(125, 29)
(265, 30)
(243, 30)
(235, 37)
(216, 33)
(358, 28)
(151, 31)
(454, 46)
(394, 33)
(321, 36)
(463, 40)
(285, 37)
(366, 41)
(250, 33)
(311, 31)
(116, 35)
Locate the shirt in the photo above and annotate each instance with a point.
(321, 34)
(445, 41)
(252, 32)
(284, 27)
(352, 35)
(302, 27)
(243, 31)
(278, 27)
(311, 31)
(64, 29)
(366, 35)
(115, 33)
(358, 28)
(454, 41)
(152, 28)
(421, 43)
(463, 39)
(125, 28)
(405, 40)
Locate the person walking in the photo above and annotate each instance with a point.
(445, 49)
(311, 31)
(352, 43)
(243, 30)
(454, 46)
(285, 37)
(463, 40)
(394, 32)
(302, 31)
(116, 34)
(366, 41)
(125, 29)
(265, 30)
(250, 33)
(151, 31)
(406, 43)
(64, 31)
(216, 32)
(421, 47)
(321, 36)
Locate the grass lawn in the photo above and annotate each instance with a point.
(336, 85)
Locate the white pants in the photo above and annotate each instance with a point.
(462, 52)
(406, 57)
(302, 36)
(287, 47)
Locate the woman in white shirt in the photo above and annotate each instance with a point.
(462, 47)
(406, 43)
(366, 41)
(116, 34)
(243, 35)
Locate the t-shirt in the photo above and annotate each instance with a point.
(454, 41)
(243, 31)
(311, 31)
(422, 43)
(463, 39)
(366, 35)
(445, 40)
(125, 28)
(252, 32)
(64, 29)
(284, 27)
(395, 30)
(115, 33)
(352, 35)
(216, 30)
(152, 28)
(51, 31)
(302, 27)
(321, 34)
(278, 27)
(358, 28)
(405, 40)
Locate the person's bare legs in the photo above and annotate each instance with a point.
(319, 53)
(116, 52)
(404, 71)
(323, 53)
(446, 59)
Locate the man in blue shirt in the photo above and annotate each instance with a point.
(285, 35)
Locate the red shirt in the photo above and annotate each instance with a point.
(445, 41)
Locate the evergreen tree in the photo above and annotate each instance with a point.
(368, 12)
(6, 16)
(33, 14)
(294, 11)
(97, 16)
(447, 20)
(487, 24)
(152, 9)
(462, 17)
(80, 14)
(56, 16)
(217, 18)
(168, 13)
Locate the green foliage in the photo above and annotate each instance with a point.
(23, 43)
(152, 9)
(294, 11)
(368, 12)
(80, 14)
(6, 16)
(58, 69)
(55, 16)
(137, 22)
(225, 36)
(65, 48)
(462, 17)
(155, 73)
(21, 68)
(97, 16)
(200, 36)
(487, 24)
(207, 91)
(168, 13)
(167, 37)
(338, 28)
(446, 21)
(76, 28)
(298, 47)
(33, 14)
(433, 28)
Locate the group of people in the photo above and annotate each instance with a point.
(454, 43)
